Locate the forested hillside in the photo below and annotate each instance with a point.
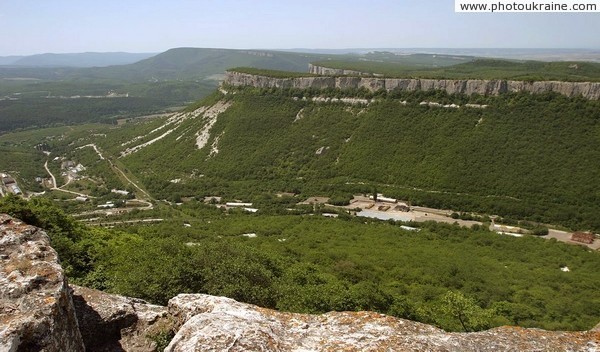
(524, 156)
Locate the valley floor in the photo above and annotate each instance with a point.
(385, 211)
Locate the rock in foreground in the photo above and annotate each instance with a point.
(116, 323)
(36, 309)
(221, 324)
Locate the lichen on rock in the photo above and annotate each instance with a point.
(211, 323)
(36, 309)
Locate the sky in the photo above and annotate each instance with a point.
(70, 26)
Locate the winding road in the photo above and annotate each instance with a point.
(112, 165)
(95, 148)
(51, 175)
(146, 202)
(129, 180)
(60, 188)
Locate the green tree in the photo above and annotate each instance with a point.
(466, 311)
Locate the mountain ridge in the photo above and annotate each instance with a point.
(337, 79)
(81, 60)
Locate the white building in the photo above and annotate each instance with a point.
(381, 198)
(238, 204)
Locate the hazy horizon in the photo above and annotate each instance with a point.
(542, 54)
(304, 49)
(63, 26)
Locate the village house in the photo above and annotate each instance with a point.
(7, 180)
(120, 192)
(381, 198)
(583, 237)
(14, 189)
(402, 207)
(238, 204)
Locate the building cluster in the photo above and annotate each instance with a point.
(10, 184)
(72, 170)
(451, 106)
(397, 205)
(438, 105)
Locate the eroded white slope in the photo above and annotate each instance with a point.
(210, 116)
(174, 122)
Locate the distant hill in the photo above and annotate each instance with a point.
(174, 64)
(75, 60)
(9, 60)
(202, 63)
(556, 54)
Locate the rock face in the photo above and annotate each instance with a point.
(36, 309)
(589, 90)
(327, 71)
(116, 323)
(211, 323)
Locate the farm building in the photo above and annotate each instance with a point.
(7, 180)
(121, 192)
(14, 189)
(402, 207)
(238, 204)
(381, 198)
(583, 237)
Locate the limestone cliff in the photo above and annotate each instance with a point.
(36, 308)
(39, 312)
(327, 71)
(589, 90)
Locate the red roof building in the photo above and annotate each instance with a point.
(583, 237)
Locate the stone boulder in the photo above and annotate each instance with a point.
(115, 323)
(36, 309)
(211, 323)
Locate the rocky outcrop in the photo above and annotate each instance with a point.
(211, 323)
(589, 90)
(327, 71)
(116, 323)
(36, 308)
